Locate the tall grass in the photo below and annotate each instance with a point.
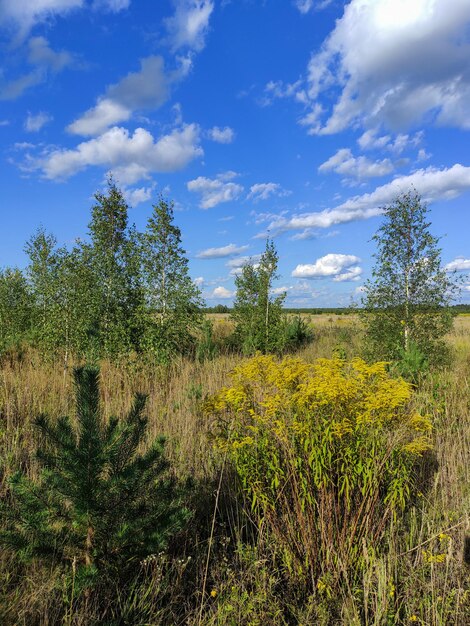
(420, 578)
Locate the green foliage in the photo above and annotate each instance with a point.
(172, 301)
(100, 502)
(407, 300)
(206, 348)
(16, 308)
(296, 333)
(116, 296)
(256, 313)
(326, 453)
(119, 293)
(412, 364)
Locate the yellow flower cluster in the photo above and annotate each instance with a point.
(320, 449)
(287, 394)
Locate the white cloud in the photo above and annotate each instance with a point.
(219, 253)
(188, 27)
(423, 155)
(133, 156)
(45, 61)
(99, 118)
(243, 260)
(343, 162)
(34, 123)
(215, 191)
(394, 62)
(147, 88)
(340, 267)
(433, 184)
(236, 265)
(111, 5)
(138, 195)
(221, 135)
(24, 14)
(40, 53)
(263, 191)
(460, 264)
(199, 281)
(222, 293)
(305, 6)
(277, 89)
(370, 140)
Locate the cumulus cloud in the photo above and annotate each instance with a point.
(138, 195)
(221, 135)
(340, 267)
(215, 191)
(460, 264)
(133, 156)
(199, 281)
(343, 162)
(392, 63)
(263, 191)
(189, 25)
(432, 183)
(147, 88)
(219, 253)
(222, 293)
(34, 123)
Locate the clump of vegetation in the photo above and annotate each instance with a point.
(406, 305)
(326, 453)
(100, 504)
(256, 312)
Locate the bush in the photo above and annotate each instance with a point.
(326, 453)
(296, 333)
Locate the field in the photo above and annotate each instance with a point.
(221, 575)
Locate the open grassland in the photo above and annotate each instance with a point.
(221, 575)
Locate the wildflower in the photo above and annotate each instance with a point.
(413, 618)
(429, 557)
(214, 593)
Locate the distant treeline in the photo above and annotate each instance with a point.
(222, 308)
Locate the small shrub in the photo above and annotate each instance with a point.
(296, 333)
(206, 348)
(100, 505)
(413, 364)
(326, 453)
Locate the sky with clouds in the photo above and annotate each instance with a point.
(294, 119)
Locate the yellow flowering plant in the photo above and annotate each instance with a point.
(326, 453)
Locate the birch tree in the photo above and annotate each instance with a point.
(406, 302)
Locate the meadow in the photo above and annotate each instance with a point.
(221, 570)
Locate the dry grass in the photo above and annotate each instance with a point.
(404, 586)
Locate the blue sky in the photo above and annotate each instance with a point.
(297, 118)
